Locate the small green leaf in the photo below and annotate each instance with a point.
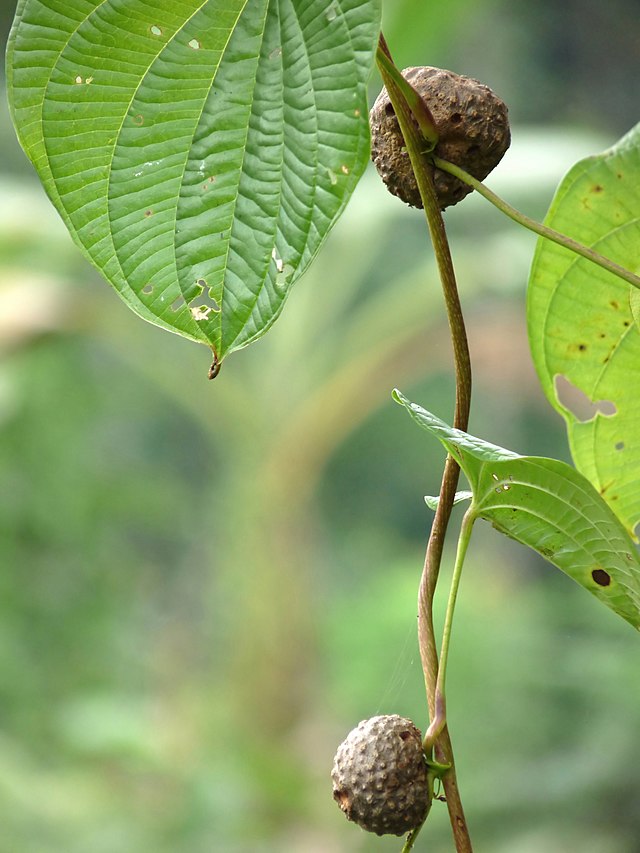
(581, 321)
(552, 508)
(460, 497)
(199, 152)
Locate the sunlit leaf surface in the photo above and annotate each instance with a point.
(584, 341)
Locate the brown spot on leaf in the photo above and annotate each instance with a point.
(601, 577)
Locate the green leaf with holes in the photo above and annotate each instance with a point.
(584, 341)
(199, 151)
(549, 506)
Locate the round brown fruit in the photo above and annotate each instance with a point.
(380, 778)
(472, 124)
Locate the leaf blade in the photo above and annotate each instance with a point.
(550, 507)
(199, 152)
(581, 320)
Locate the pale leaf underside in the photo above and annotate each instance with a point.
(199, 152)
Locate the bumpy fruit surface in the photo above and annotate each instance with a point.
(472, 124)
(380, 776)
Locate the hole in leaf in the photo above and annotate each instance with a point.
(194, 44)
(283, 277)
(601, 577)
(619, 445)
(177, 304)
(578, 403)
(155, 30)
(278, 261)
(148, 288)
(78, 80)
(201, 312)
(206, 302)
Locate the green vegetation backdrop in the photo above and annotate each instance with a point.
(204, 587)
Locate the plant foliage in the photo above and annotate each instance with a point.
(549, 506)
(198, 152)
(581, 320)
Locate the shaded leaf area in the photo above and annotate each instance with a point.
(549, 506)
(198, 152)
(581, 321)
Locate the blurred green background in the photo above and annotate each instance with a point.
(204, 586)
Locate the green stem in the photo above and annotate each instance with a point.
(439, 720)
(423, 171)
(418, 107)
(538, 227)
(411, 838)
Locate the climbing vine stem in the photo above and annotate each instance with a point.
(423, 170)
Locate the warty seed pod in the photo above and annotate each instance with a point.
(472, 124)
(380, 776)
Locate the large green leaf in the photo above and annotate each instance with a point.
(549, 506)
(198, 150)
(581, 321)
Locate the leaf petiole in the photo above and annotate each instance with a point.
(537, 227)
(439, 720)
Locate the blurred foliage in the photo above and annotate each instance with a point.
(205, 586)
